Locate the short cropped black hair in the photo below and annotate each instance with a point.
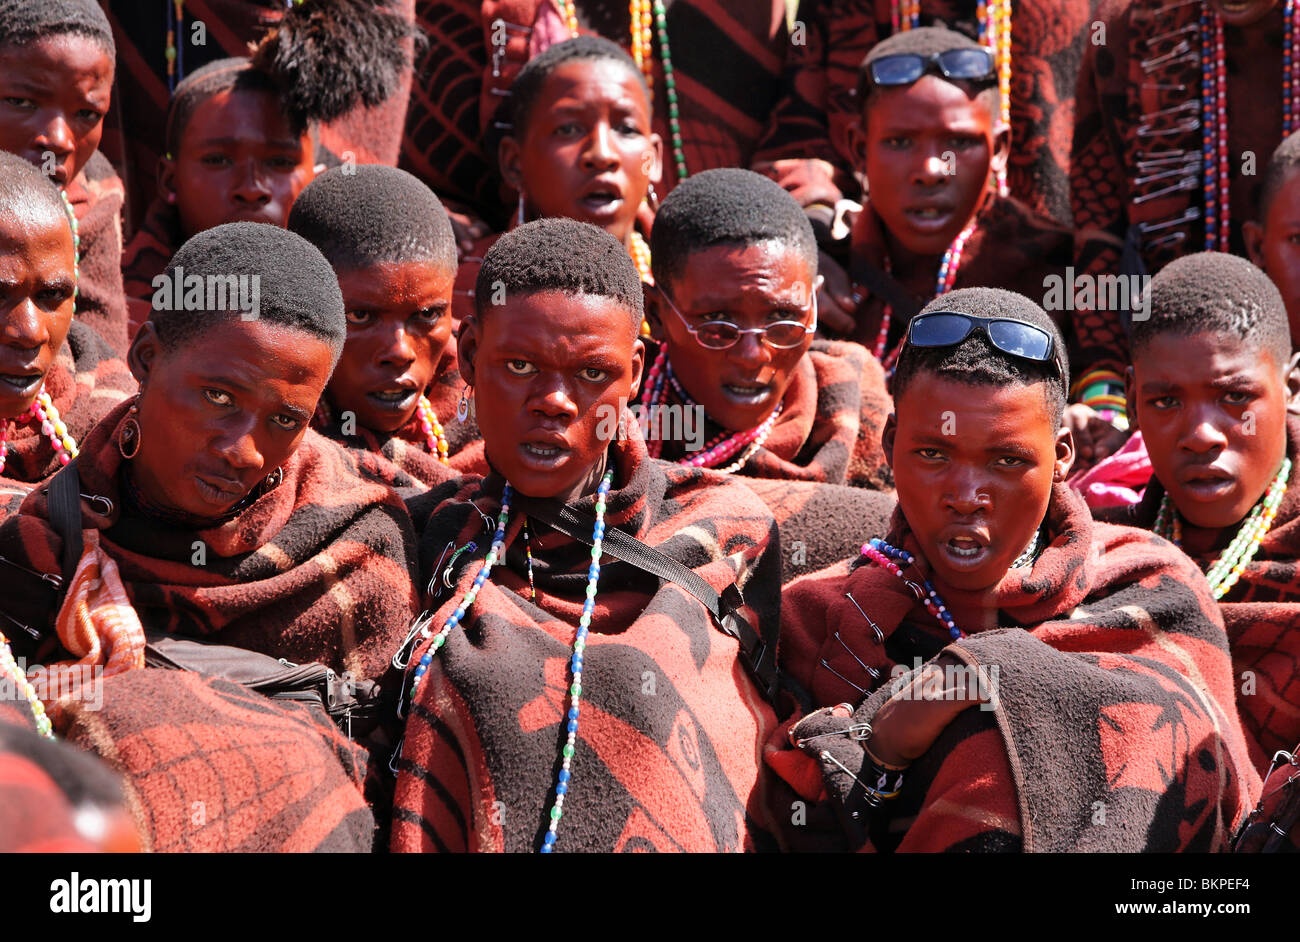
(976, 361)
(26, 191)
(926, 41)
(297, 286)
(27, 21)
(532, 77)
(1217, 293)
(361, 215)
(560, 254)
(223, 75)
(726, 207)
(1281, 165)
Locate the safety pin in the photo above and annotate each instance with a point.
(843, 678)
(1193, 105)
(421, 622)
(437, 567)
(1167, 158)
(875, 674)
(1173, 86)
(1150, 65)
(1181, 170)
(1186, 183)
(880, 635)
(97, 499)
(1190, 214)
(1160, 37)
(1190, 124)
(1170, 238)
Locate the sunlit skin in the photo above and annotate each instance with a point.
(221, 412)
(1275, 247)
(54, 93)
(1216, 433)
(587, 151)
(974, 467)
(36, 300)
(399, 322)
(909, 140)
(749, 286)
(549, 370)
(1242, 12)
(238, 161)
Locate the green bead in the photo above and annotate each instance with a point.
(575, 689)
(567, 751)
(555, 814)
(670, 82)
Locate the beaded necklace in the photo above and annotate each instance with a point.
(883, 555)
(720, 448)
(433, 433)
(174, 53)
(641, 257)
(643, 53)
(943, 284)
(1214, 115)
(496, 552)
(994, 18)
(9, 667)
(1228, 568)
(52, 427)
(76, 246)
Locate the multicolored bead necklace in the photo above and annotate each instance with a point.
(643, 53)
(943, 284)
(9, 667)
(174, 53)
(76, 247)
(994, 18)
(641, 258)
(433, 433)
(1216, 176)
(720, 448)
(883, 555)
(496, 552)
(43, 411)
(1228, 568)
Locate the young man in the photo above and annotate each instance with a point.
(531, 726)
(395, 388)
(1095, 651)
(1213, 387)
(931, 142)
(1273, 237)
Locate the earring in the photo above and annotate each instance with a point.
(519, 216)
(652, 198)
(128, 440)
(462, 407)
(272, 480)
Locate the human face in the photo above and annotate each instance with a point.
(587, 151)
(928, 149)
(54, 93)
(974, 467)
(399, 322)
(36, 292)
(1275, 247)
(238, 161)
(220, 413)
(749, 286)
(1216, 434)
(550, 373)
(1242, 12)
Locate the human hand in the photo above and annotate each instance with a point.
(836, 302)
(1094, 437)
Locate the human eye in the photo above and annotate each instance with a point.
(89, 115)
(218, 397)
(1162, 402)
(594, 374)
(1237, 397)
(520, 367)
(286, 422)
(282, 162)
(1011, 461)
(430, 315)
(215, 160)
(360, 318)
(16, 101)
(929, 454)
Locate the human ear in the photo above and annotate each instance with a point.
(1130, 398)
(1293, 384)
(858, 143)
(655, 170)
(638, 366)
(467, 341)
(1253, 233)
(1064, 454)
(887, 438)
(653, 311)
(1001, 148)
(143, 355)
(167, 179)
(508, 160)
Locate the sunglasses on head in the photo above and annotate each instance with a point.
(949, 328)
(723, 335)
(904, 68)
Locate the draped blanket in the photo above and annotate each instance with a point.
(829, 429)
(1262, 615)
(86, 381)
(1112, 726)
(317, 569)
(96, 195)
(671, 726)
(146, 256)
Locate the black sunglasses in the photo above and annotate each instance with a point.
(949, 328)
(904, 68)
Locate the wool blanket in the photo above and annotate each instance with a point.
(317, 569)
(671, 726)
(832, 416)
(1262, 615)
(726, 60)
(1136, 165)
(96, 195)
(86, 381)
(1019, 250)
(35, 814)
(1112, 727)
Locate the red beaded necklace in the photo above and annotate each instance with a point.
(943, 284)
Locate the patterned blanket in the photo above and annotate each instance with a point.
(96, 196)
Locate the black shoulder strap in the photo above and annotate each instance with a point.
(882, 284)
(65, 516)
(757, 652)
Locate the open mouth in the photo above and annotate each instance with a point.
(929, 218)
(21, 384)
(543, 456)
(748, 394)
(965, 551)
(394, 399)
(602, 199)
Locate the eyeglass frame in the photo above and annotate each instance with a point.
(742, 331)
(982, 323)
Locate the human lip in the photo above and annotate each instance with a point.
(748, 393)
(964, 548)
(544, 452)
(396, 396)
(218, 489)
(929, 217)
(602, 197)
(1206, 482)
(22, 382)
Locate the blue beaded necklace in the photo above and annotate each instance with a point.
(495, 553)
(884, 555)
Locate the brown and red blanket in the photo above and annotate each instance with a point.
(317, 569)
(96, 195)
(671, 726)
(85, 383)
(1262, 615)
(1113, 724)
(829, 429)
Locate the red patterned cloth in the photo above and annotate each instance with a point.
(96, 195)
(668, 746)
(1113, 728)
(829, 429)
(145, 258)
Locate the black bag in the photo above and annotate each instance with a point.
(353, 704)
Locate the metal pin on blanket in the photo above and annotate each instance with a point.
(875, 674)
(880, 635)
